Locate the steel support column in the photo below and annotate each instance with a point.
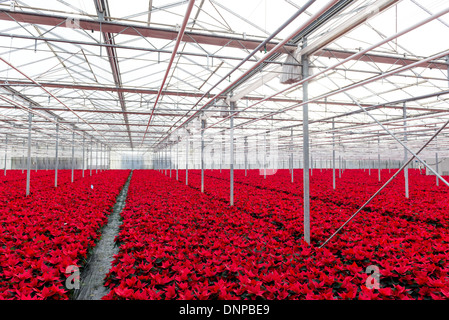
(291, 155)
(203, 126)
(6, 151)
(378, 155)
(187, 158)
(84, 140)
(404, 112)
(177, 160)
(339, 166)
(311, 165)
(23, 155)
(334, 183)
(91, 157)
(231, 146)
(73, 155)
(101, 157)
(246, 155)
(56, 154)
(265, 155)
(30, 116)
(96, 158)
(305, 116)
(222, 150)
(436, 162)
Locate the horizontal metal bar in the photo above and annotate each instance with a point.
(135, 30)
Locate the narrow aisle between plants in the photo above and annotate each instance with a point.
(92, 279)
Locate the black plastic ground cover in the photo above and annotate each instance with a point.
(100, 261)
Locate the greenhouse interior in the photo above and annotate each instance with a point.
(224, 150)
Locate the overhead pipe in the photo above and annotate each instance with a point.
(260, 61)
(52, 95)
(323, 40)
(352, 57)
(33, 111)
(175, 49)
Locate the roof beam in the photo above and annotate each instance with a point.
(378, 58)
(103, 13)
(347, 25)
(136, 30)
(321, 42)
(172, 58)
(125, 90)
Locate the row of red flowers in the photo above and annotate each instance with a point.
(423, 247)
(53, 228)
(175, 244)
(13, 185)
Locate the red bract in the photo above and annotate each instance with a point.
(51, 229)
(183, 244)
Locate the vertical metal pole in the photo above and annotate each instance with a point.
(246, 155)
(231, 137)
(6, 150)
(257, 153)
(436, 169)
(73, 155)
(101, 157)
(311, 165)
(222, 148)
(47, 160)
(35, 159)
(187, 159)
(339, 166)
(29, 155)
(378, 155)
(291, 154)
(305, 117)
(170, 159)
(265, 155)
(203, 126)
(369, 166)
(333, 154)
(23, 155)
(96, 158)
(91, 157)
(104, 157)
(84, 140)
(87, 158)
(404, 111)
(56, 154)
(177, 159)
